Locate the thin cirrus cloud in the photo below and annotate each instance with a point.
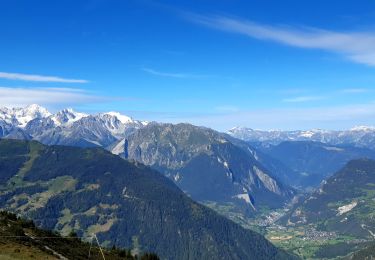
(172, 75)
(356, 46)
(12, 97)
(354, 90)
(38, 78)
(302, 99)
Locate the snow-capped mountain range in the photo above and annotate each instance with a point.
(69, 127)
(360, 136)
(21, 116)
(66, 127)
(195, 158)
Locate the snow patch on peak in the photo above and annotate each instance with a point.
(240, 129)
(21, 116)
(34, 110)
(67, 116)
(363, 128)
(123, 119)
(307, 134)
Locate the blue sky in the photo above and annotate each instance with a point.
(219, 63)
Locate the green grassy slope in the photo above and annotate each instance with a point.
(344, 204)
(126, 204)
(20, 239)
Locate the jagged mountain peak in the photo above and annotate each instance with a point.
(123, 118)
(66, 116)
(204, 163)
(20, 116)
(363, 128)
(32, 110)
(35, 107)
(239, 128)
(67, 126)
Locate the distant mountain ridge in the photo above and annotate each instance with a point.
(315, 161)
(360, 136)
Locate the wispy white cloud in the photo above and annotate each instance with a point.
(164, 74)
(356, 46)
(172, 75)
(38, 78)
(302, 99)
(354, 90)
(47, 96)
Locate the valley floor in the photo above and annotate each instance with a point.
(306, 242)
